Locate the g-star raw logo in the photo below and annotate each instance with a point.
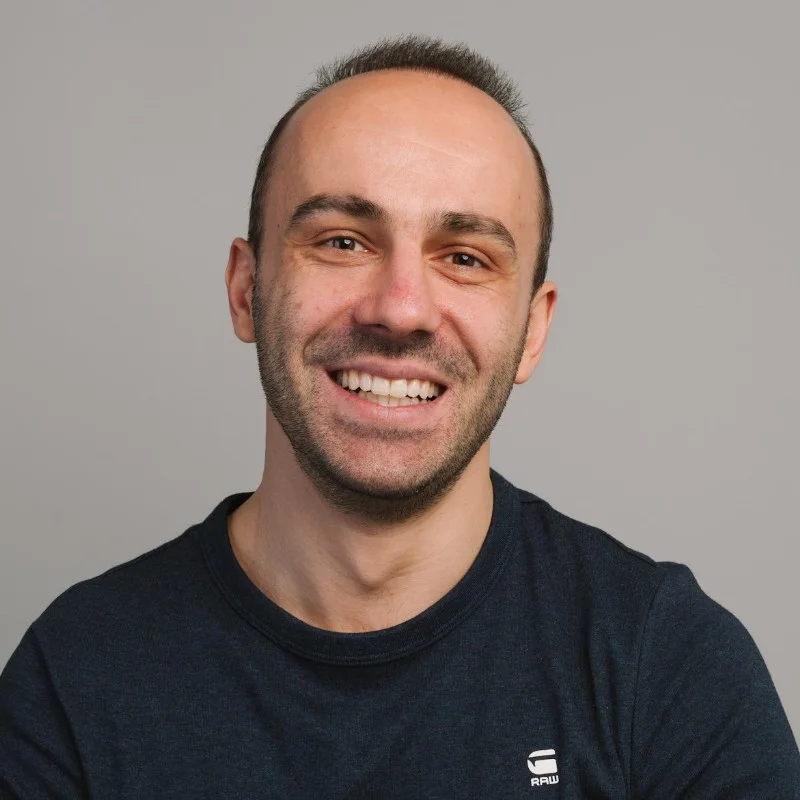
(541, 764)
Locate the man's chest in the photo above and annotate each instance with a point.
(482, 724)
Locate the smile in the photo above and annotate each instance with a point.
(387, 391)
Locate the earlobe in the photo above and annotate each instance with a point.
(540, 315)
(240, 283)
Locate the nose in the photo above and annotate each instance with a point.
(399, 298)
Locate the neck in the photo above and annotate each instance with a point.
(341, 573)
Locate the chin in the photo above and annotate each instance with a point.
(386, 483)
(376, 490)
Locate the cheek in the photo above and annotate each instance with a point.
(483, 323)
(312, 298)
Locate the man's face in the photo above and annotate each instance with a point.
(400, 237)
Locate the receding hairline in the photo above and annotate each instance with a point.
(421, 54)
(295, 114)
(418, 73)
(303, 107)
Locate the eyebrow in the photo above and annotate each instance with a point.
(350, 204)
(465, 222)
(359, 207)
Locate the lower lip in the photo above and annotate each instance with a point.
(367, 410)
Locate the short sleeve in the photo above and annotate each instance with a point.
(708, 723)
(38, 756)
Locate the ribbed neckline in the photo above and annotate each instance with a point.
(374, 647)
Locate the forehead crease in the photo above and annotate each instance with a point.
(458, 147)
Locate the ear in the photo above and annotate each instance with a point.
(540, 313)
(240, 280)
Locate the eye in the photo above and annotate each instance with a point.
(343, 243)
(466, 260)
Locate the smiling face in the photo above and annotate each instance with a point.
(392, 301)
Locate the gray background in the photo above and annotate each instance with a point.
(665, 409)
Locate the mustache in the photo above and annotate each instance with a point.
(422, 346)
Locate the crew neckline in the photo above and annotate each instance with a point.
(372, 647)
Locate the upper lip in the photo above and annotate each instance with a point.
(392, 370)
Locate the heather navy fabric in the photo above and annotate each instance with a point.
(563, 665)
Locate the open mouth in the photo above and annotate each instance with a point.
(387, 391)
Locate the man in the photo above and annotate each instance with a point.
(385, 617)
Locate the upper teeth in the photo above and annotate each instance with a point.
(390, 387)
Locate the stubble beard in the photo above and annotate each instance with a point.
(425, 482)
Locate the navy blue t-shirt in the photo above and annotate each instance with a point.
(563, 665)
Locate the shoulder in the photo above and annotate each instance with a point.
(655, 610)
(100, 621)
(585, 563)
(692, 664)
(127, 587)
(153, 591)
(595, 560)
(580, 538)
(100, 635)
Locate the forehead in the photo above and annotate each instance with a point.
(415, 143)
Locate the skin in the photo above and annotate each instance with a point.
(365, 517)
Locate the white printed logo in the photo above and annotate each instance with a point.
(541, 764)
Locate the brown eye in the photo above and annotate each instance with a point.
(343, 243)
(465, 260)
